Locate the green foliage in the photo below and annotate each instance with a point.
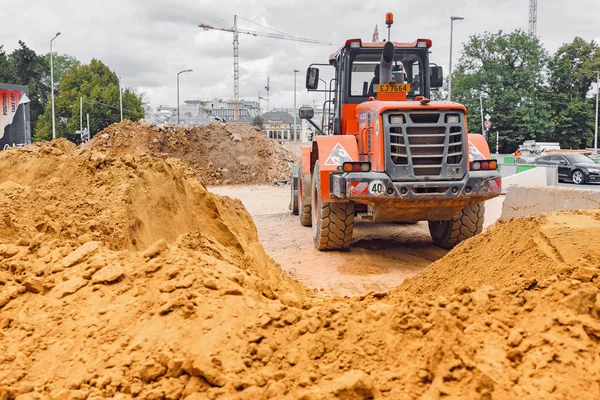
(6, 74)
(507, 70)
(258, 121)
(99, 87)
(574, 125)
(61, 63)
(570, 81)
(24, 67)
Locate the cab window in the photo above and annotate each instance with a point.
(363, 74)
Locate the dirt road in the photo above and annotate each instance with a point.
(381, 258)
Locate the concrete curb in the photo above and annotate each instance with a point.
(524, 201)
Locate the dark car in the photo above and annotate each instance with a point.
(572, 167)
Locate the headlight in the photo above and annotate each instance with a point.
(397, 119)
(452, 119)
(595, 170)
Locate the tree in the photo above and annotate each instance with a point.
(6, 74)
(99, 87)
(570, 81)
(507, 70)
(28, 68)
(258, 121)
(60, 63)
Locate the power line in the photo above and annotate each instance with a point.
(113, 107)
(266, 27)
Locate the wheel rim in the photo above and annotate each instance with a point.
(577, 177)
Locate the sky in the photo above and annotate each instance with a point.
(147, 42)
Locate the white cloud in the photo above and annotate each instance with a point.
(148, 41)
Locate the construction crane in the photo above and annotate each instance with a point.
(532, 18)
(268, 88)
(236, 63)
(259, 99)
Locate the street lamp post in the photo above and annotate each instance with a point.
(452, 19)
(179, 73)
(597, 90)
(295, 109)
(52, 85)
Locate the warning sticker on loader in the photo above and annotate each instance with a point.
(338, 156)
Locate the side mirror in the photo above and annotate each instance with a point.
(436, 77)
(306, 112)
(312, 78)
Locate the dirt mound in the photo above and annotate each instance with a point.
(203, 313)
(219, 153)
(518, 251)
(126, 201)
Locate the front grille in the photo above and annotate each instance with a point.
(426, 146)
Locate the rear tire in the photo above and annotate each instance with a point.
(578, 177)
(332, 223)
(466, 224)
(304, 202)
(294, 186)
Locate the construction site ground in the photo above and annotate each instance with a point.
(381, 258)
(123, 277)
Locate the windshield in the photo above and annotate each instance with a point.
(579, 159)
(363, 72)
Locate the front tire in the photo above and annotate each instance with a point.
(332, 223)
(466, 224)
(578, 177)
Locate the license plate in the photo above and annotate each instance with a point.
(399, 88)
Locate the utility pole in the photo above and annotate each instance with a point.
(52, 85)
(88, 125)
(452, 19)
(597, 90)
(81, 114)
(121, 98)
(481, 109)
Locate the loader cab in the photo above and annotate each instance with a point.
(356, 66)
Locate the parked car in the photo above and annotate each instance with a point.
(573, 167)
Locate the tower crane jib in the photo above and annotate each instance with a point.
(236, 62)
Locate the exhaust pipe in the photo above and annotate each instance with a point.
(387, 62)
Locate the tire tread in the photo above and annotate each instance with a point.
(466, 224)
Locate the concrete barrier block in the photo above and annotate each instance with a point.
(535, 176)
(522, 201)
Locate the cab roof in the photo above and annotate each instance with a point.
(348, 43)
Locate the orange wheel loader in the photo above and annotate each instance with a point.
(389, 153)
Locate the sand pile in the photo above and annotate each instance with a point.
(519, 251)
(127, 201)
(218, 153)
(205, 314)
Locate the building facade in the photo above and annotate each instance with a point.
(202, 112)
(279, 125)
(278, 130)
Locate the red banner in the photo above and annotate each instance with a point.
(11, 99)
